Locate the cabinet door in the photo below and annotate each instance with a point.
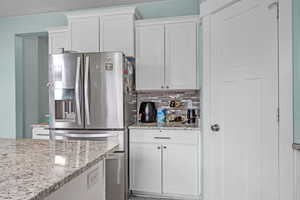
(58, 40)
(85, 34)
(90, 185)
(181, 56)
(117, 34)
(241, 157)
(150, 57)
(180, 170)
(145, 167)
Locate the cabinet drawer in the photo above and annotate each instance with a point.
(165, 136)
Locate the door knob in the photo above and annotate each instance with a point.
(215, 127)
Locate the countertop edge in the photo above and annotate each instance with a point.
(296, 146)
(164, 128)
(56, 186)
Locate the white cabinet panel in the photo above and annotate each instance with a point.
(117, 34)
(150, 57)
(180, 170)
(90, 185)
(39, 133)
(181, 56)
(85, 34)
(58, 40)
(145, 167)
(164, 163)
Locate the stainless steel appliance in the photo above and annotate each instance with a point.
(147, 112)
(91, 97)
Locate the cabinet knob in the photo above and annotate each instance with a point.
(162, 87)
(215, 127)
(165, 147)
(158, 147)
(168, 87)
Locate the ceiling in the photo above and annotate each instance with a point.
(27, 7)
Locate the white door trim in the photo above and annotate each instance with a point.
(286, 153)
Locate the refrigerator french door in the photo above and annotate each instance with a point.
(66, 91)
(103, 91)
(87, 91)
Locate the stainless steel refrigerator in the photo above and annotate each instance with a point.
(91, 97)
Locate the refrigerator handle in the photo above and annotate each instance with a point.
(86, 90)
(77, 91)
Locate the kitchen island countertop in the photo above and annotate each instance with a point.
(33, 169)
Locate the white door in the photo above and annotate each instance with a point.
(145, 167)
(180, 170)
(181, 56)
(84, 34)
(241, 159)
(150, 57)
(117, 34)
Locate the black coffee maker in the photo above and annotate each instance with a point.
(147, 112)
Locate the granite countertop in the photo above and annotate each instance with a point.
(166, 126)
(33, 169)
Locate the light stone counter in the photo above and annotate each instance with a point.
(33, 169)
(166, 126)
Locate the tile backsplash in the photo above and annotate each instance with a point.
(163, 98)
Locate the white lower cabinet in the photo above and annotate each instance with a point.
(165, 163)
(145, 167)
(180, 170)
(90, 185)
(40, 132)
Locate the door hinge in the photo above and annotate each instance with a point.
(275, 5)
(278, 115)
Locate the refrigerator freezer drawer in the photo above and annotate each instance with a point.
(95, 135)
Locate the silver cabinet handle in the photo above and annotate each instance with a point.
(77, 91)
(162, 138)
(86, 90)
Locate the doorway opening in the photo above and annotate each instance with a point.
(31, 64)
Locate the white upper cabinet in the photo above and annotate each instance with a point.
(181, 56)
(104, 30)
(117, 34)
(166, 53)
(150, 57)
(58, 39)
(84, 34)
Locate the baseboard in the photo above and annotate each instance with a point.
(163, 196)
